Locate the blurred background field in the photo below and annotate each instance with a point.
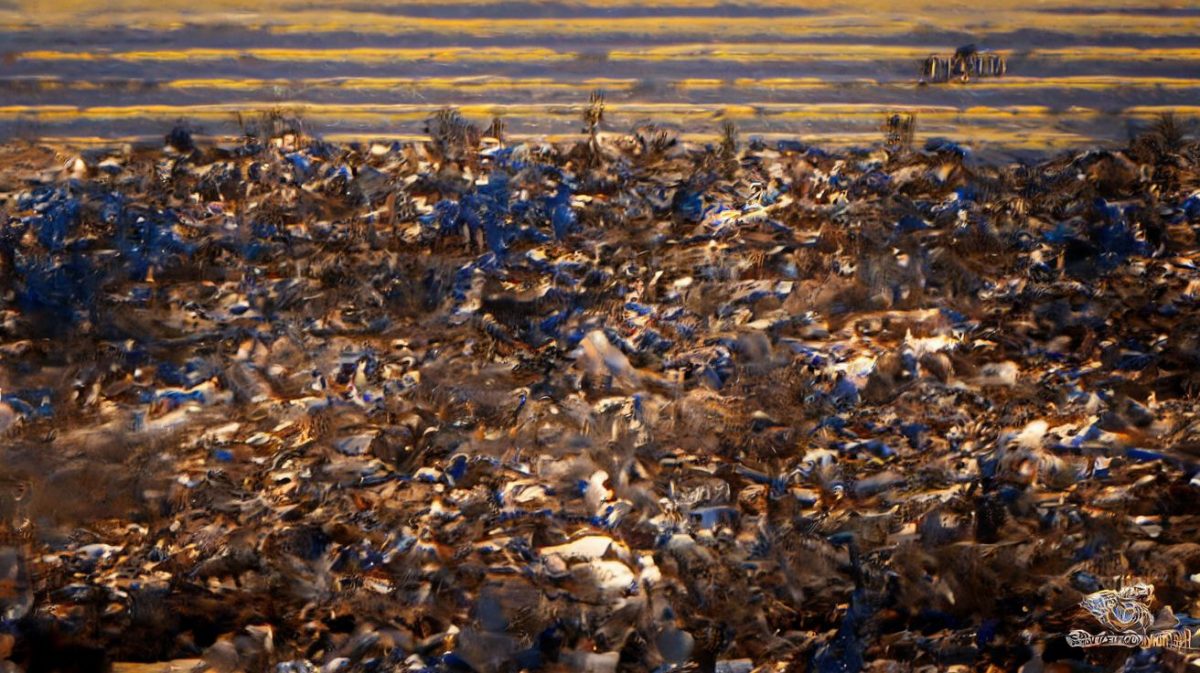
(1078, 72)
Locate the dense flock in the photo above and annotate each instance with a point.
(622, 404)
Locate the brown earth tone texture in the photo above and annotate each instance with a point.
(626, 403)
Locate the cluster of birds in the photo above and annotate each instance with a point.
(627, 404)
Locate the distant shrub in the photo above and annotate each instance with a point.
(452, 135)
(274, 124)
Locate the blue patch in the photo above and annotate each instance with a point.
(1144, 455)
(1061, 233)
(844, 393)
(791, 146)
(914, 433)
(911, 223)
(942, 145)
(688, 204)
(987, 632)
(845, 652)
(457, 468)
(1191, 208)
(879, 449)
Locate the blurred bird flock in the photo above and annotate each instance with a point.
(595, 336)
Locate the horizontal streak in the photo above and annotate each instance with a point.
(481, 83)
(1028, 140)
(662, 111)
(360, 55)
(1091, 82)
(1151, 110)
(486, 83)
(1089, 53)
(81, 6)
(862, 24)
(1033, 139)
(757, 52)
(792, 51)
(777, 52)
(471, 82)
